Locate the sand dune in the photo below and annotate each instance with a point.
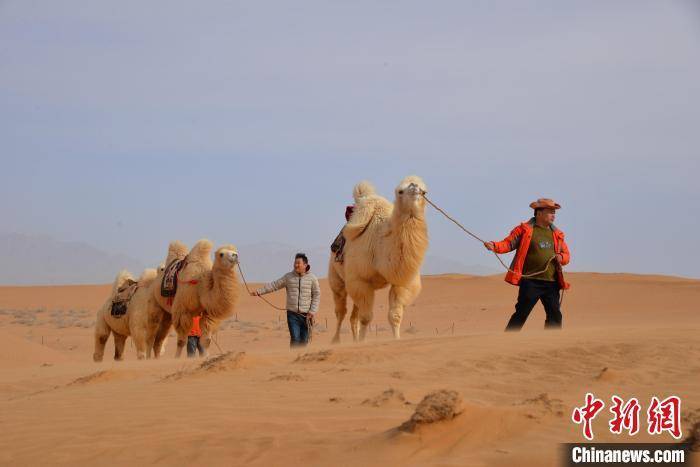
(21, 352)
(259, 403)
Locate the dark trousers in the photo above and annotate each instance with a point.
(298, 329)
(532, 291)
(193, 345)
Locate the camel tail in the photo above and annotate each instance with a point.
(362, 190)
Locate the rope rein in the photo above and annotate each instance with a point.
(549, 261)
(214, 340)
(259, 296)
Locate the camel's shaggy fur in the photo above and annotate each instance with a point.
(203, 287)
(137, 322)
(385, 245)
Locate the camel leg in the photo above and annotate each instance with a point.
(140, 342)
(102, 332)
(362, 295)
(341, 309)
(205, 340)
(139, 330)
(183, 325)
(399, 298)
(162, 334)
(119, 341)
(355, 323)
(340, 299)
(154, 315)
(139, 336)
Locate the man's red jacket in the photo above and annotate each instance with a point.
(519, 239)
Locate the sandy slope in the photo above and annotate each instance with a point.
(262, 404)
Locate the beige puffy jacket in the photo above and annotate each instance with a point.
(303, 292)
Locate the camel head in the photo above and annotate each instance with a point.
(409, 196)
(226, 257)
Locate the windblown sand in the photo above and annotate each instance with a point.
(508, 402)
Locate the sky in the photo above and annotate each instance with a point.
(129, 124)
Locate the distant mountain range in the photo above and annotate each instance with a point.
(30, 260)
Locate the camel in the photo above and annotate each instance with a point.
(206, 288)
(385, 245)
(136, 322)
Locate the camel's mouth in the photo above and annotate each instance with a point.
(412, 190)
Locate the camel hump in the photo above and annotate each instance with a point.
(120, 281)
(147, 276)
(366, 209)
(362, 190)
(201, 251)
(176, 250)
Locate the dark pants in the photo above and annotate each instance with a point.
(532, 291)
(298, 329)
(193, 345)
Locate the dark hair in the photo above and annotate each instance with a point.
(537, 210)
(303, 257)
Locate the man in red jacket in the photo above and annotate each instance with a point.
(537, 265)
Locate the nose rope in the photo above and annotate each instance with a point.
(441, 211)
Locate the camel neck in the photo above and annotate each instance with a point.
(410, 240)
(400, 219)
(220, 295)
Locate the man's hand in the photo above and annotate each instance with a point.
(490, 246)
(255, 293)
(558, 258)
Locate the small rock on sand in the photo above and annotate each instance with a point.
(439, 405)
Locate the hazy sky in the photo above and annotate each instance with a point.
(127, 124)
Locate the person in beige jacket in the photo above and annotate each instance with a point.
(303, 298)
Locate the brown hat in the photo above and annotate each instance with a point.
(545, 203)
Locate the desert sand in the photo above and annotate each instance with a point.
(257, 402)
